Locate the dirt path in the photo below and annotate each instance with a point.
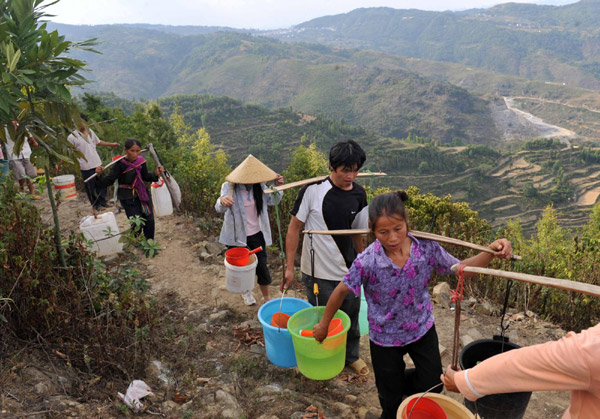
(177, 268)
(545, 130)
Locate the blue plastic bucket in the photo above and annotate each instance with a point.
(278, 342)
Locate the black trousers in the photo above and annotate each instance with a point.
(394, 381)
(133, 207)
(350, 306)
(95, 193)
(262, 269)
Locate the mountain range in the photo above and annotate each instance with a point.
(394, 72)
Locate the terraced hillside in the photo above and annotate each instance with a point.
(515, 186)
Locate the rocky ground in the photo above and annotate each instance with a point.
(214, 363)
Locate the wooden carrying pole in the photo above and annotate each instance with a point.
(563, 284)
(313, 180)
(110, 164)
(417, 234)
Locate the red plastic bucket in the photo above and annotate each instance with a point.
(424, 408)
(240, 256)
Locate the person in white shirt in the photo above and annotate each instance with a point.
(85, 141)
(19, 163)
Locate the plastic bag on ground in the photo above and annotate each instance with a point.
(136, 391)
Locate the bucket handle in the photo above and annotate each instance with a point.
(158, 184)
(421, 396)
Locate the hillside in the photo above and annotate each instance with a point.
(504, 186)
(549, 43)
(516, 182)
(340, 84)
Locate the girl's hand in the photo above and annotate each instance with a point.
(502, 248)
(114, 144)
(99, 170)
(448, 380)
(160, 170)
(320, 331)
(227, 201)
(279, 180)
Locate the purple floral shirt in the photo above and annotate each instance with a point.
(400, 310)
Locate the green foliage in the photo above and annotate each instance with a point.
(530, 191)
(543, 144)
(201, 168)
(35, 76)
(269, 135)
(307, 162)
(555, 252)
(440, 215)
(87, 311)
(590, 156)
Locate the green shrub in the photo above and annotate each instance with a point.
(97, 317)
(201, 168)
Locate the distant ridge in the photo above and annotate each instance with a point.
(549, 43)
(364, 89)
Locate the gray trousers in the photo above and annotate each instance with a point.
(350, 306)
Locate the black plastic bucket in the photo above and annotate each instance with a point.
(495, 406)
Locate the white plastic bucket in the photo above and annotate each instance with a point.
(239, 279)
(104, 232)
(65, 184)
(161, 199)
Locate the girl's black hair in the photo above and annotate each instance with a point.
(130, 142)
(258, 197)
(390, 204)
(257, 193)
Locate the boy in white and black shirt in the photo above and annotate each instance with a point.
(336, 203)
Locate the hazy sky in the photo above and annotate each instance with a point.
(251, 14)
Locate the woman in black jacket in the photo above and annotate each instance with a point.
(132, 173)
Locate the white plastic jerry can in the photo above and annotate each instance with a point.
(103, 232)
(161, 199)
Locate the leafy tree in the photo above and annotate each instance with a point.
(35, 76)
(201, 169)
(307, 162)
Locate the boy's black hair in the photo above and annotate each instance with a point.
(130, 142)
(390, 204)
(83, 116)
(346, 153)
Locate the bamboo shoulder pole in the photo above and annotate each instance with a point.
(314, 180)
(563, 284)
(417, 234)
(110, 164)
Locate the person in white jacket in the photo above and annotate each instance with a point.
(246, 222)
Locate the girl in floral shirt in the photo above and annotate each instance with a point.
(395, 271)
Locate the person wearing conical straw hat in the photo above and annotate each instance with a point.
(246, 222)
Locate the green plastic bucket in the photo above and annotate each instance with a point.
(318, 361)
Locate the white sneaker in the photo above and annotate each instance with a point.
(249, 299)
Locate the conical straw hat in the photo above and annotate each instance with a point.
(251, 171)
